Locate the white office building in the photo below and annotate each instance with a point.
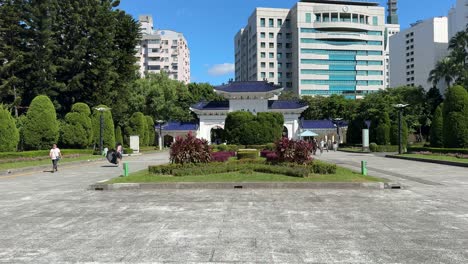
(391, 28)
(415, 52)
(163, 50)
(457, 18)
(318, 47)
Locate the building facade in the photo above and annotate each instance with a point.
(391, 28)
(163, 51)
(415, 52)
(318, 47)
(457, 18)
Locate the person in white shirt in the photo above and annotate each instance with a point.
(55, 155)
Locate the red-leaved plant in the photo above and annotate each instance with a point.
(190, 150)
(289, 150)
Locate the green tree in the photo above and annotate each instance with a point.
(9, 134)
(437, 139)
(77, 131)
(394, 139)
(443, 70)
(40, 129)
(455, 118)
(246, 129)
(137, 126)
(151, 131)
(382, 130)
(233, 123)
(108, 125)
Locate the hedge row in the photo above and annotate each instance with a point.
(289, 169)
(383, 148)
(439, 150)
(41, 153)
(269, 146)
(247, 154)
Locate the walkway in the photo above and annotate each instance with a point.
(52, 218)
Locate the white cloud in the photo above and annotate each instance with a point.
(221, 69)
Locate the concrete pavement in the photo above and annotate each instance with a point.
(52, 218)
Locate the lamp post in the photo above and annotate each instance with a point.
(159, 123)
(400, 108)
(101, 126)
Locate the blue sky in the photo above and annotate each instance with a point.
(210, 25)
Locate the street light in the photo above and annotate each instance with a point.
(101, 126)
(400, 108)
(159, 122)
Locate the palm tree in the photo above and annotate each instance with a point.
(459, 47)
(445, 69)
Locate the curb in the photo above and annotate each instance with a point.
(442, 162)
(355, 152)
(244, 185)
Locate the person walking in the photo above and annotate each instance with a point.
(322, 145)
(118, 153)
(55, 155)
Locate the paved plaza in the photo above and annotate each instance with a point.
(53, 218)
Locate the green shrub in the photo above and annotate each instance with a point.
(41, 153)
(247, 129)
(373, 147)
(319, 167)
(437, 128)
(128, 151)
(137, 126)
(455, 118)
(40, 129)
(118, 135)
(247, 154)
(76, 131)
(394, 133)
(151, 131)
(9, 134)
(109, 130)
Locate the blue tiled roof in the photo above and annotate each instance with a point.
(279, 104)
(179, 126)
(320, 124)
(242, 87)
(221, 105)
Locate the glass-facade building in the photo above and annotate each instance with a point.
(321, 47)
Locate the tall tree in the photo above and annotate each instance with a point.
(436, 137)
(455, 118)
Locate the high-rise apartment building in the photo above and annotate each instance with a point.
(318, 47)
(415, 52)
(163, 50)
(458, 18)
(391, 28)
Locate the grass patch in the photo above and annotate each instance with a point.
(435, 157)
(342, 175)
(33, 163)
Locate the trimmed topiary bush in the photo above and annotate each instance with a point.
(9, 134)
(76, 131)
(190, 150)
(109, 130)
(151, 132)
(373, 147)
(247, 129)
(455, 118)
(40, 129)
(137, 126)
(437, 128)
(118, 135)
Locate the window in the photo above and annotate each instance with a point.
(280, 55)
(289, 84)
(271, 65)
(288, 23)
(280, 35)
(288, 55)
(271, 55)
(288, 35)
(288, 65)
(271, 22)
(272, 45)
(279, 22)
(271, 35)
(263, 65)
(279, 45)
(263, 75)
(308, 18)
(289, 75)
(262, 44)
(280, 75)
(280, 65)
(288, 45)
(262, 55)
(271, 75)
(262, 35)
(262, 22)
(375, 21)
